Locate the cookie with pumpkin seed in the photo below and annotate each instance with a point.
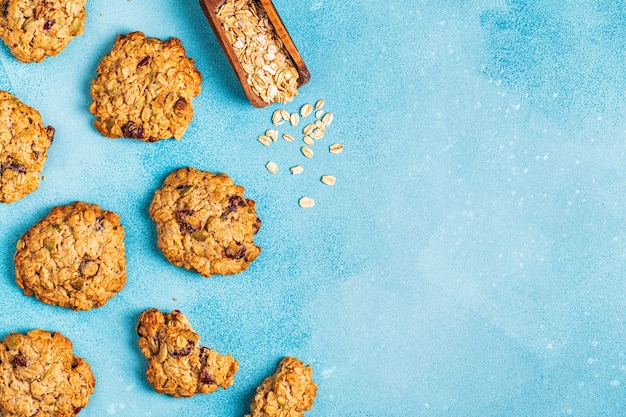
(288, 392)
(42, 377)
(144, 89)
(36, 29)
(179, 366)
(24, 143)
(204, 223)
(74, 258)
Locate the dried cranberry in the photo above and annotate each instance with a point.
(50, 132)
(88, 268)
(206, 378)
(237, 253)
(20, 360)
(186, 350)
(99, 225)
(77, 410)
(188, 221)
(180, 105)
(133, 130)
(13, 166)
(5, 8)
(145, 61)
(256, 226)
(233, 202)
(48, 24)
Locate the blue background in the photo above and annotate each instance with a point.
(470, 260)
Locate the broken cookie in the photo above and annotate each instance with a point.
(179, 366)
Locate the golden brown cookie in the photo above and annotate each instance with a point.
(144, 89)
(178, 365)
(24, 143)
(204, 222)
(40, 376)
(74, 258)
(286, 393)
(35, 29)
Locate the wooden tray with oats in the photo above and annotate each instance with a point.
(259, 48)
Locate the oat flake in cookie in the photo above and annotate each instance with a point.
(204, 222)
(40, 376)
(24, 143)
(73, 258)
(178, 365)
(35, 29)
(288, 392)
(144, 89)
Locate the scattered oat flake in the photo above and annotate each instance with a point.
(272, 133)
(294, 119)
(306, 110)
(327, 119)
(306, 202)
(308, 129)
(296, 170)
(328, 179)
(319, 114)
(284, 114)
(277, 118)
(272, 167)
(318, 133)
(288, 137)
(336, 148)
(319, 104)
(265, 140)
(308, 152)
(308, 140)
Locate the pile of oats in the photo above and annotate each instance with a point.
(267, 64)
(311, 133)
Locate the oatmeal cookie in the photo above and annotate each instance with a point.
(178, 365)
(40, 376)
(35, 29)
(24, 143)
(205, 223)
(73, 258)
(144, 89)
(286, 393)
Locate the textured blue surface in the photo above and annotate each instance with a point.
(471, 259)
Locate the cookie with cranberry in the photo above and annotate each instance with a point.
(36, 29)
(144, 89)
(179, 366)
(24, 143)
(204, 223)
(42, 377)
(288, 392)
(74, 258)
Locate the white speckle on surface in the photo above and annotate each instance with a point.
(328, 372)
(615, 383)
(550, 346)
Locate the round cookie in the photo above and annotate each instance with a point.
(144, 89)
(35, 29)
(24, 143)
(41, 376)
(178, 365)
(204, 222)
(73, 258)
